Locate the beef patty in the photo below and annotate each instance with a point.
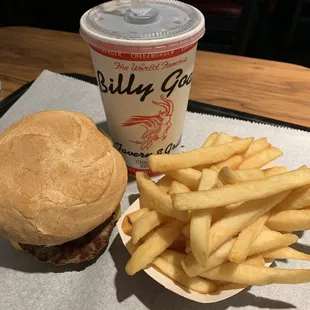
(76, 251)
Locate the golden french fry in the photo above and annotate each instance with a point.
(298, 199)
(201, 221)
(261, 159)
(290, 220)
(229, 194)
(134, 216)
(222, 138)
(265, 227)
(255, 260)
(193, 268)
(154, 246)
(265, 241)
(229, 176)
(256, 147)
(274, 171)
(199, 232)
(269, 240)
(177, 187)
(152, 197)
(173, 257)
(164, 184)
(177, 274)
(201, 167)
(241, 248)
(146, 223)
(221, 212)
(252, 275)
(233, 162)
(286, 253)
(189, 177)
(130, 219)
(126, 226)
(210, 140)
(208, 179)
(235, 221)
(202, 156)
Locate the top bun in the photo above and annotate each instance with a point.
(60, 178)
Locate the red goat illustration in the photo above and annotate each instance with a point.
(156, 126)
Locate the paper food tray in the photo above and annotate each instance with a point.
(167, 282)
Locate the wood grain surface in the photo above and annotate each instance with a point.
(267, 88)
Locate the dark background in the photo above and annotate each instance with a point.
(268, 29)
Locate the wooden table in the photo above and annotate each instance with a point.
(272, 89)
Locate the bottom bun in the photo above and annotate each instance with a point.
(86, 248)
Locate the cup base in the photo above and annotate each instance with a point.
(150, 173)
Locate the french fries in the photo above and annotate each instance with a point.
(222, 138)
(210, 140)
(177, 187)
(245, 191)
(298, 199)
(290, 220)
(270, 240)
(257, 260)
(146, 223)
(189, 177)
(164, 184)
(154, 246)
(266, 240)
(252, 275)
(173, 257)
(208, 179)
(193, 268)
(261, 159)
(201, 222)
(246, 214)
(202, 156)
(241, 248)
(230, 176)
(233, 162)
(130, 219)
(274, 171)
(286, 253)
(176, 273)
(155, 199)
(218, 215)
(256, 147)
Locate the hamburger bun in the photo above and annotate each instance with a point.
(60, 178)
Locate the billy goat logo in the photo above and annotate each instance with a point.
(156, 126)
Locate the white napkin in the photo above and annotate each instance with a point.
(28, 284)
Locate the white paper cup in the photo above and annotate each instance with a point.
(144, 76)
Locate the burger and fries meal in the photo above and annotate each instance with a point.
(214, 222)
(219, 216)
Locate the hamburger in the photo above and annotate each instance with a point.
(60, 187)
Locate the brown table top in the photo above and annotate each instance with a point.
(266, 88)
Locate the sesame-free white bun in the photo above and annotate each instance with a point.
(60, 178)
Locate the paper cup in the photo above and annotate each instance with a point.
(145, 81)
